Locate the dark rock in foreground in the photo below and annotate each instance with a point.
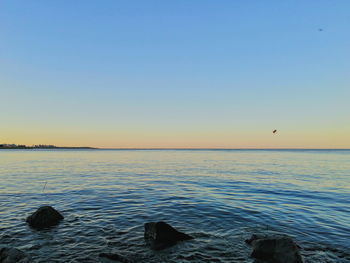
(275, 249)
(13, 255)
(45, 216)
(160, 235)
(116, 257)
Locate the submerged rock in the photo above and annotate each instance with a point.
(13, 255)
(161, 235)
(275, 249)
(116, 257)
(45, 216)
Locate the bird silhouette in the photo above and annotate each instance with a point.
(274, 131)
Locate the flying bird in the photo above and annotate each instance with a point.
(274, 131)
(320, 29)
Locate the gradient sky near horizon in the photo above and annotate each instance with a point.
(175, 73)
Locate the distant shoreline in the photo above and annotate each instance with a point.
(24, 147)
(175, 149)
(8, 146)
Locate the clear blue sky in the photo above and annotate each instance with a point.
(175, 73)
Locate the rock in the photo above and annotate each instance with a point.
(13, 255)
(45, 216)
(254, 237)
(160, 235)
(275, 249)
(116, 257)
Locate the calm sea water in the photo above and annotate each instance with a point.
(220, 197)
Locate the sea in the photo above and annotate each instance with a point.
(220, 197)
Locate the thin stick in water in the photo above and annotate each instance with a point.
(44, 186)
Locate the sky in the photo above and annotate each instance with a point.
(175, 74)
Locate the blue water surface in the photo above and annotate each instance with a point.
(220, 197)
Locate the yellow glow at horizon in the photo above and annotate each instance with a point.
(180, 139)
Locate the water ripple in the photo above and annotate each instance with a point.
(219, 197)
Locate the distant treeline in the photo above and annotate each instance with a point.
(38, 146)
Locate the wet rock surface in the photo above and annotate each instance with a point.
(161, 235)
(275, 249)
(13, 255)
(44, 217)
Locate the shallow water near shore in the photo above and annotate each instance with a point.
(220, 197)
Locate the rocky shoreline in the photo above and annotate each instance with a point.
(159, 236)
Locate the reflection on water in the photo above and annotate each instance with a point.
(219, 197)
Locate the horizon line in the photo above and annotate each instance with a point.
(182, 148)
(209, 148)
